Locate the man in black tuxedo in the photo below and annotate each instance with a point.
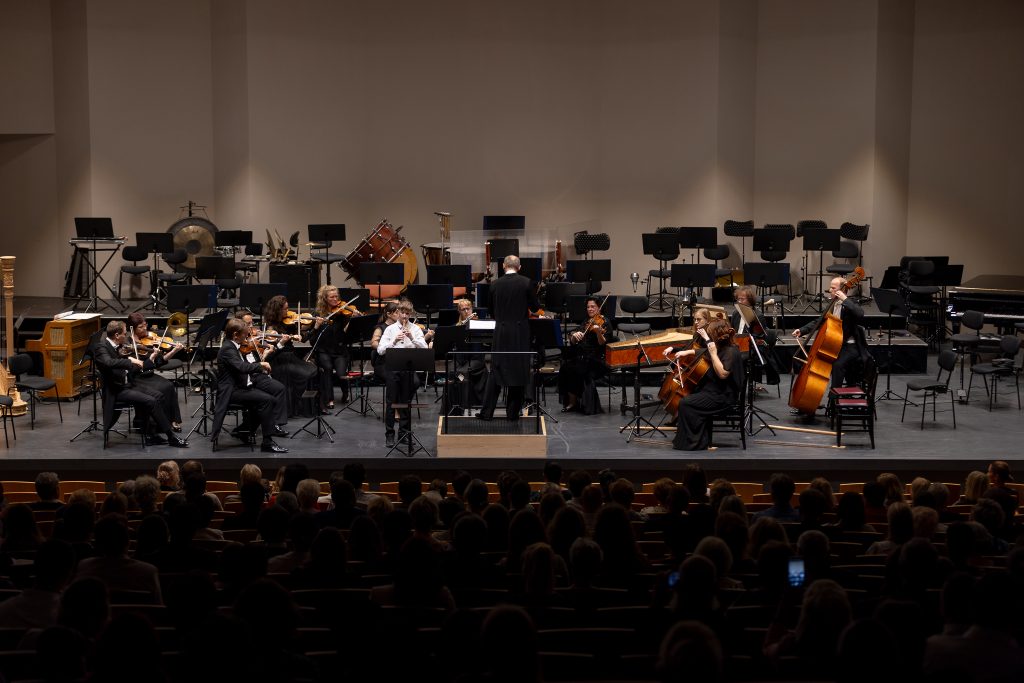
(851, 314)
(513, 296)
(268, 384)
(116, 372)
(235, 382)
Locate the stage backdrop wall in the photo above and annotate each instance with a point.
(605, 116)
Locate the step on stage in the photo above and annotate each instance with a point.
(501, 437)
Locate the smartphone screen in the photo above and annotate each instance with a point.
(796, 572)
(672, 579)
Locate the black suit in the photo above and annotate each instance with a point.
(513, 296)
(115, 370)
(236, 381)
(851, 316)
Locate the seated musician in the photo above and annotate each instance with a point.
(747, 296)
(399, 386)
(332, 355)
(701, 318)
(286, 363)
(236, 382)
(263, 381)
(583, 363)
(116, 363)
(851, 314)
(153, 383)
(720, 388)
(470, 371)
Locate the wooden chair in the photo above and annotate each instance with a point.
(67, 487)
(747, 490)
(19, 487)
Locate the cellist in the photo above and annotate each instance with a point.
(720, 389)
(851, 314)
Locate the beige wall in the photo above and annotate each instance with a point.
(608, 116)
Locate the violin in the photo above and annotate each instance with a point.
(153, 341)
(293, 318)
(343, 309)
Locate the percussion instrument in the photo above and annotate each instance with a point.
(383, 244)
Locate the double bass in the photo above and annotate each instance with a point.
(809, 386)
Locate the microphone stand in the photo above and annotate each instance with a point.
(636, 425)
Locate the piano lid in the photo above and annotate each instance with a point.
(1008, 285)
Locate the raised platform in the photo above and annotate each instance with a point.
(469, 437)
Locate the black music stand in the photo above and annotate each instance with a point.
(594, 272)
(155, 243)
(97, 337)
(359, 331)
(664, 246)
(891, 303)
(531, 267)
(945, 276)
(359, 296)
(408, 360)
(766, 275)
(636, 425)
(749, 316)
(429, 298)
(697, 238)
(323, 236)
(97, 230)
(771, 239)
(449, 339)
(502, 247)
(215, 267)
(254, 297)
(188, 299)
(820, 240)
(380, 274)
(232, 238)
(692, 276)
(543, 336)
(456, 276)
(209, 327)
(558, 295)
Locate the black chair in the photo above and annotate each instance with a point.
(855, 404)
(846, 250)
(174, 259)
(6, 408)
(716, 254)
(133, 255)
(922, 306)
(932, 388)
(634, 305)
(968, 343)
(121, 407)
(743, 230)
(1002, 366)
(663, 273)
(731, 419)
(31, 385)
(248, 264)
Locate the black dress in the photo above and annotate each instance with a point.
(332, 358)
(715, 393)
(288, 368)
(582, 366)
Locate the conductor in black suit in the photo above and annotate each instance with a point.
(116, 371)
(513, 296)
(235, 383)
(851, 314)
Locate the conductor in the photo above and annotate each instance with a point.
(512, 298)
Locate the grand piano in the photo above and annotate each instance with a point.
(999, 297)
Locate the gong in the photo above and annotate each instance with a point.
(195, 236)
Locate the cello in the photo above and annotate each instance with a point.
(809, 386)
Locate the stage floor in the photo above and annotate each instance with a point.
(575, 440)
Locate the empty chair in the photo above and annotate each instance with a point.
(634, 305)
(846, 250)
(20, 364)
(133, 255)
(1002, 366)
(932, 388)
(6, 406)
(968, 343)
(250, 263)
(716, 254)
(921, 304)
(664, 273)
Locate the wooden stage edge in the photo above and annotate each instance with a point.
(491, 445)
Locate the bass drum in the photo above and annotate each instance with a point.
(195, 235)
(384, 244)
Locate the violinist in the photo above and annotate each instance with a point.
(115, 363)
(851, 315)
(746, 296)
(399, 386)
(144, 347)
(720, 389)
(286, 365)
(585, 364)
(262, 380)
(332, 355)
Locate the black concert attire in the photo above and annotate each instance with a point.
(400, 386)
(467, 386)
(152, 383)
(288, 367)
(765, 339)
(713, 395)
(237, 382)
(582, 365)
(269, 385)
(332, 358)
(119, 383)
(513, 296)
(854, 350)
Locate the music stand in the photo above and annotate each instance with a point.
(361, 296)
(692, 276)
(359, 331)
(323, 235)
(530, 267)
(594, 272)
(771, 239)
(558, 295)
(155, 243)
(456, 276)
(544, 335)
(232, 238)
(215, 267)
(765, 275)
(947, 275)
(408, 360)
(429, 298)
(820, 240)
(381, 274)
(891, 303)
(448, 338)
(209, 327)
(502, 247)
(253, 297)
(190, 298)
(749, 316)
(96, 230)
(664, 246)
(697, 239)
